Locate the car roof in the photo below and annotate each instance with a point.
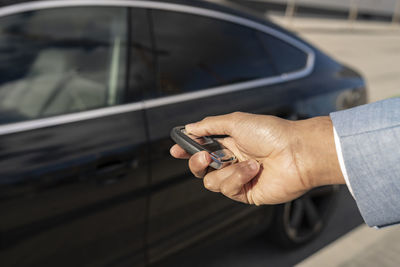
(195, 3)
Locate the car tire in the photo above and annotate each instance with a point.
(297, 222)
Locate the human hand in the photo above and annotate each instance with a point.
(279, 160)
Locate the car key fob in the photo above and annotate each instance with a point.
(192, 144)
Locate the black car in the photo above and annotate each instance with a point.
(89, 91)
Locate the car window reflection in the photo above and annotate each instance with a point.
(196, 52)
(59, 61)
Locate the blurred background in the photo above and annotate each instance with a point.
(365, 35)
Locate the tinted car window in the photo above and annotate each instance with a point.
(58, 61)
(286, 57)
(196, 52)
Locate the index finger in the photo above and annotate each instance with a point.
(213, 125)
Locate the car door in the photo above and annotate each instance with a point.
(73, 145)
(206, 66)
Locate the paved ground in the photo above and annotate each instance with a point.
(362, 247)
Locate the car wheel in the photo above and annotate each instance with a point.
(301, 220)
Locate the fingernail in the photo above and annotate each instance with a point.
(204, 158)
(253, 165)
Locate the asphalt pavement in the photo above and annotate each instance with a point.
(362, 247)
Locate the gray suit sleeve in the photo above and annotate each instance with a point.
(370, 140)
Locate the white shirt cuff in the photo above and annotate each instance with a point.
(341, 161)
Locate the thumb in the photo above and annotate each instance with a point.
(214, 125)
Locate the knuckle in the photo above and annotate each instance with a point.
(257, 202)
(225, 190)
(237, 114)
(196, 165)
(206, 119)
(208, 184)
(256, 199)
(195, 162)
(240, 174)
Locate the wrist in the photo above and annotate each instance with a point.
(315, 152)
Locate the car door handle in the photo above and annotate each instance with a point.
(111, 172)
(109, 167)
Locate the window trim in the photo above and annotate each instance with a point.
(147, 104)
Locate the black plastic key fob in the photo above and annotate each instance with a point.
(192, 144)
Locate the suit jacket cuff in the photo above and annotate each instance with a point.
(369, 138)
(341, 160)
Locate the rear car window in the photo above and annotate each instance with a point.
(196, 52)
